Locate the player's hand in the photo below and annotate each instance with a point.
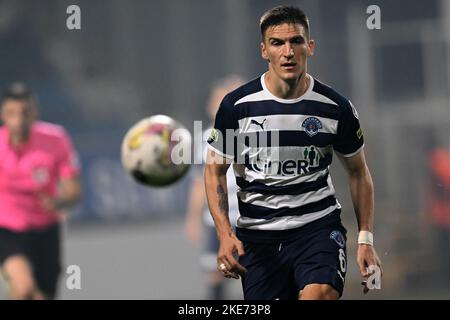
(367, 256)
(192, 230)
(227, 262)
(49, 204)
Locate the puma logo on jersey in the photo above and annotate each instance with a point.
(258, 124)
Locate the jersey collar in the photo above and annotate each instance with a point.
(303, 96)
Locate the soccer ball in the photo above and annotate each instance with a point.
(153, 148)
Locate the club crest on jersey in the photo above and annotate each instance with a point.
(312, 125)
(40, 176)
(338, 238)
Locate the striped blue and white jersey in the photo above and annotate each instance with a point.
(281, 151)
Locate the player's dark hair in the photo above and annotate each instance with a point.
(18, 91)
(283, 14)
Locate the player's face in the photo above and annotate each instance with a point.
(17, 115)
(286, 47)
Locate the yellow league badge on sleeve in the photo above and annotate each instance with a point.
(359, 133)
(214, 135)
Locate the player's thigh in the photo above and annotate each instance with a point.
(269, 273)
(15, 265)
(18, 274)
(316, 291)
(321, 263)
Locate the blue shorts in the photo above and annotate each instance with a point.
(281, 270)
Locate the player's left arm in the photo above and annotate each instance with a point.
(362, 193)
(70, 192)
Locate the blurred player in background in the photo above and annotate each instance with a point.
(438, 204)
(198, 215)
(289, 237)
(38, 179)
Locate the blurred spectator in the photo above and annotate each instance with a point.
(198, 214)
(438, 204)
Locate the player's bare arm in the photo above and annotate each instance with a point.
(70, 194)
(362, 192)
(216, 193)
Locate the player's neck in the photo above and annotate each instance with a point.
(287, 89)
(17, 140)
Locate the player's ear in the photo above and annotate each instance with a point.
(264, 52)
(2, 113)
(34, 109)
(311, 46)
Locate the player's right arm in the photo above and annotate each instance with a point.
(217, 196)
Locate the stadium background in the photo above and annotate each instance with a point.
(138, 58)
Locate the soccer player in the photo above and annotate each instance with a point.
(438, 204)
(280, 131)
(38, 180)
(197, 212)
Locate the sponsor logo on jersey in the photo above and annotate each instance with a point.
(312, 125)
(308, 161)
